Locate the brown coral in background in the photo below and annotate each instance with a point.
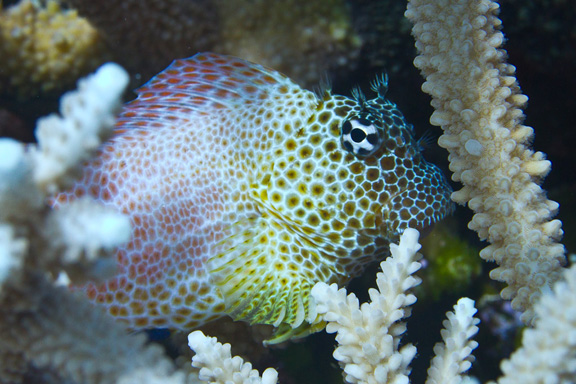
(50, 46)
(146, 35)
(301, 38)
(45, 48)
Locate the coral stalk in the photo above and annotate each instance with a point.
(453, 357)
(547, 354)
(478, 104)
(45, 328)
(85, 232)
(369, 335)
(217, 365)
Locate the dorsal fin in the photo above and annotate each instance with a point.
(200, 84)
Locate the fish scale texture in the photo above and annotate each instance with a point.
(242, 195)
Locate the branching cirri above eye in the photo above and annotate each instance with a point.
(360, 136)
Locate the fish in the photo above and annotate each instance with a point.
(244, 190)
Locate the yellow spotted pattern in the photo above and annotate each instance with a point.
(242, 195)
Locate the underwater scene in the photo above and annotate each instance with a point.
(321, 191)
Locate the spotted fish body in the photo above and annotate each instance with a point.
(244, 190)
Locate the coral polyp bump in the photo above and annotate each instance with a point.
(45, 48)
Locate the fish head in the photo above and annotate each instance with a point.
(352, 178)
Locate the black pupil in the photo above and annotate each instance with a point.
(358, 135)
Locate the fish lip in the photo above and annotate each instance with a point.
(423, 228)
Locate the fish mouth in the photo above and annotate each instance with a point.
(420, 210)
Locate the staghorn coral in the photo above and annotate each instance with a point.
(45, 48)
(30, 173)
(369, 335)
(44, 327)
(217, 365)
(478, 105)
(547, 354)
(453, 357)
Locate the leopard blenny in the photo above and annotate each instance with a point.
(244, 190)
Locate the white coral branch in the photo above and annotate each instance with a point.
(79, 238)
(547, 354)
(454, 356)
(369, 335)
(88, 115)
(85, 234)
(43, 326)
(218, 366)
(477, 102)
(11, 252)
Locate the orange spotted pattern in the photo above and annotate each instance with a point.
(242, 196)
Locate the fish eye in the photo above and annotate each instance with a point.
(360, 136)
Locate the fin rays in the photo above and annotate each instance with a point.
(259, 283)
(200, 84)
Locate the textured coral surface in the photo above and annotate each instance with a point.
(45, 48)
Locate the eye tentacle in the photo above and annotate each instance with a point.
(359, 96)
(380, 85)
